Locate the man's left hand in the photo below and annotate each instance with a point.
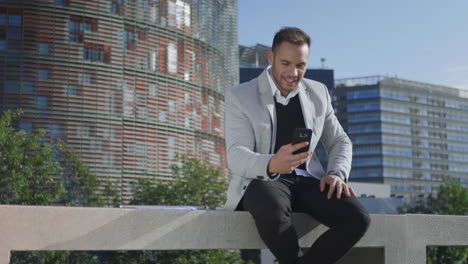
(336, 183)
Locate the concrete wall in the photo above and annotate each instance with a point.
(403, 238)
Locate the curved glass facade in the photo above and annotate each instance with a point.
(128, 83)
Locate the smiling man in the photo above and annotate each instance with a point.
(268, 179)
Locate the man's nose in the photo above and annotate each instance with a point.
(293, 72)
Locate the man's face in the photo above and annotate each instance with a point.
(288, 65)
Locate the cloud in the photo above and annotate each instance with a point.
(457, 69)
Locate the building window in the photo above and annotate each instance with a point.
(144, 63)
(152, 90)
(60, 2)
(97, 53)
(191, 66)
(118, 6)
(55, 131)
(3, 19)
(109, 159)
(154, 14)
(85, 78)
(152, 60)
(172, 58)
(10, 31)
(27, 87)
(83, 131)
(25, 126)
(171, 106)
(171, 14)
(14, 33)
(14, 20)
(43, 75)
(171, 148)
(110, 102)
(130, 39)
(162, 116)
(144, 4)
(71, 90)
(41, 102)
(12, 86)
(178, 14)
(183, 14)
(43, 48)
(79, 26)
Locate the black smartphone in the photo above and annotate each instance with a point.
(301, 135)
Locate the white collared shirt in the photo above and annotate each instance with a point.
(276, 92)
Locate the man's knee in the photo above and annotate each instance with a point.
(363, 222)
(359, 224)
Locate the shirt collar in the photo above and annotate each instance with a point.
(276, 93)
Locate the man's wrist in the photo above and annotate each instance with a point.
(337, 173)
(272, 175)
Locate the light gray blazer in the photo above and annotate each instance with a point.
(250, 131)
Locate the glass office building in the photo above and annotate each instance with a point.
(407, 134)
(128, 83)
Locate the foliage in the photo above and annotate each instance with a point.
(195, 183)
(81, 185)
(31, 175)
(451, 199)
(53, 257)
(27, 166)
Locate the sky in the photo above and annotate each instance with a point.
(418, 40)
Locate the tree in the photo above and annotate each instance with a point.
(30, 174)
(195, 183)
(451, 199)
(27, 166)
(81, 185)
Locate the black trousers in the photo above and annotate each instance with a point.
(271, 203)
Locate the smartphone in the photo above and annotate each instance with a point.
(301, 135)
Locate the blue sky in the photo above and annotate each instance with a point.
(419, 40)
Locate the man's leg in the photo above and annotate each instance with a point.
(269, 204)
(346, 218)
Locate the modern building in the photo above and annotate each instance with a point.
(128, 83)
(406, 134)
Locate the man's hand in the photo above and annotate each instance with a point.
(336, 183)
(285, 162)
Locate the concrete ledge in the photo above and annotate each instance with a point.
(403, 237)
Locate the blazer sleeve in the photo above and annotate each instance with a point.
(336, 142)
(242, 159)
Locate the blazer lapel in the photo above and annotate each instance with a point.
(267, 100)
(307, 108)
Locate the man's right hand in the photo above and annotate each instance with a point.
(284, 161)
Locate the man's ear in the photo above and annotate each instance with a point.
(271, 57)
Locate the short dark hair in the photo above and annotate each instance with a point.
(292, 35)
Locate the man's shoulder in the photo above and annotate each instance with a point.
(245, 89)
(311, 84)
(315, 87)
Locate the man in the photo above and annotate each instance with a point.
(268, 180)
